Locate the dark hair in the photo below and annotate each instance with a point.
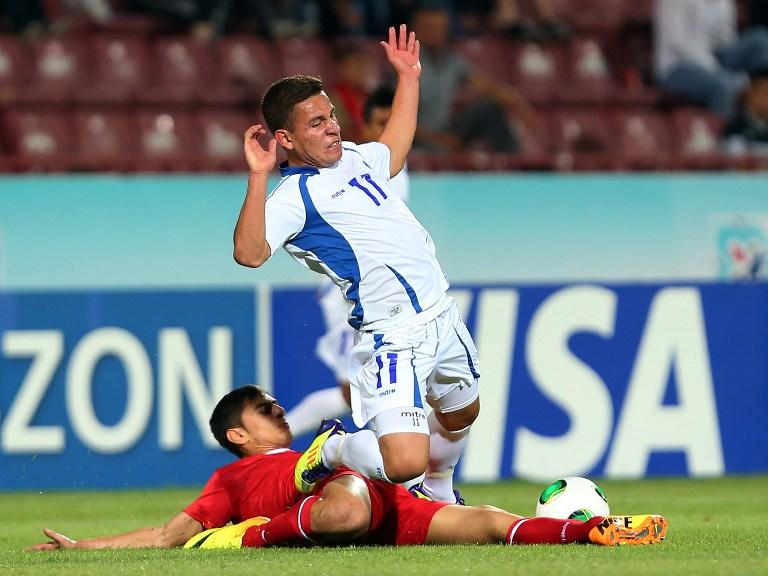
(280, 99)
(382, 97)
(228, 414)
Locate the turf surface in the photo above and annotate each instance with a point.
(717, 526)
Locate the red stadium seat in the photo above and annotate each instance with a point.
(59, 69)
(14, 67)
(303, 56)
(39, 140)
(184, 74)
(489, 54)
(107, 140)
(645, 140)
(537, 71)
(697, 139)
(584, 140)
(248, 62)
(589, 76)
(122, 69)
(167, 141)
(222, 140)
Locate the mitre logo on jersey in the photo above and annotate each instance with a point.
(337, 194)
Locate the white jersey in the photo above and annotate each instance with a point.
(345, 222)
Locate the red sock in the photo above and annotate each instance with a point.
(551, 531)
(290, 527)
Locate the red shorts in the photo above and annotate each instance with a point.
(397, 517)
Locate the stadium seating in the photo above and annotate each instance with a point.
(221, 132)
(137, 93)
(167, 141)
(59, 68)
(537, 71)
(644, 140)
(122, 69)
(14, 67)
(38, 140)
(106, 140)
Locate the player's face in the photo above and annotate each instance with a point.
(375, 126)
(265, 426)
(315, 137)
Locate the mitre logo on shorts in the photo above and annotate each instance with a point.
(339, 193)
(413, 414)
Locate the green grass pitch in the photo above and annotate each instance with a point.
(717, 526)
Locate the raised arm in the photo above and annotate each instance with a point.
(403, 53)
(172, 534)
(251, 247)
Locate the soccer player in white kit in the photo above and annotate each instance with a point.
(334, 212)
(335, 345)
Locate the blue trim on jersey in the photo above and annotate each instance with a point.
(332, 248)
(408, 288)
(475, 375)
(416, 392)
(286, 170)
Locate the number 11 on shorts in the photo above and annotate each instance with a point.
(392, 357)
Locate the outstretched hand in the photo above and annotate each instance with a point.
(403, 52)
(57, 542)
(260, 160)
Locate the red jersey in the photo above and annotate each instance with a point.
(263, 485)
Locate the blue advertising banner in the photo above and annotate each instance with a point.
(113, 389)
(598, 380)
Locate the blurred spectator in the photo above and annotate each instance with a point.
(287, 18)
(349, 92)
(748, 131)
(97, 10)
(700, 56)
(442, 127)
(204, 18)
(507, 17)
(26, 17)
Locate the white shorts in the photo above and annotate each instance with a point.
(334, 347)
(433, 363)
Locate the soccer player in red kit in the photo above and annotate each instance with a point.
(344, 506)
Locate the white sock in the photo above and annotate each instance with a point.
(359, 451)
(445, 449)
(325, 403)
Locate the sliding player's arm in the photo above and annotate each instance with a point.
(403, 54)
(251, 246)
(172, 534)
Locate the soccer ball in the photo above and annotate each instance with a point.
(572, 497)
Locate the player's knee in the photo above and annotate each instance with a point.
(349, 520)
(405, 467)
(460, 419)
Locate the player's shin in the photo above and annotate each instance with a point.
(551, 531)
(360, 451)
(445, 449)
(290, 527)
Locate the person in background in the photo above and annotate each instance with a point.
(355, 75)
(699, 54)
(506, 16)
(747, 132)
(443, 128)
(334, 347)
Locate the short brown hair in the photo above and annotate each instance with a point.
(280, 99)
(229, 411)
